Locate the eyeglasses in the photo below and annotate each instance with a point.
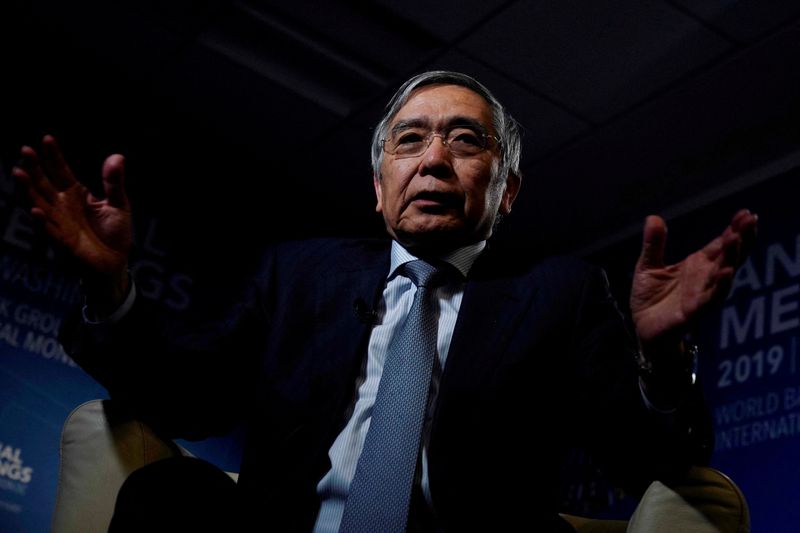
(461, 141)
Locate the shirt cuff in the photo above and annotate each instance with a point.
(89, 317)
(650, 405)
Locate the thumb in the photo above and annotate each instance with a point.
(653, 242)
(114, 180)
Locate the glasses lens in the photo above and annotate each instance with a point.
(465, 142)
(413, 142)
(409, 143)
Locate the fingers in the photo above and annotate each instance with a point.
(57, 168)
(30, 173)
(738, 238)
(746, 223)
(44, 175)
(743, 219)
(114, 180)
(653, 242)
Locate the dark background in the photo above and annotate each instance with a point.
(253, 118)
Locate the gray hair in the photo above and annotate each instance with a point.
(504, 124)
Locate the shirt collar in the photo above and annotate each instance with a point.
(462, 258)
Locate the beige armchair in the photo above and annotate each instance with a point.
(100, 448)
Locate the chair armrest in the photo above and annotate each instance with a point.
(595, 525)
(705, 500)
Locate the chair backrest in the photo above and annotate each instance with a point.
(99, 449)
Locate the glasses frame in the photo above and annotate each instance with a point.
(429, 140)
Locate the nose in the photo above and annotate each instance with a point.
(432, 138)
(437, 148)
(436, 160)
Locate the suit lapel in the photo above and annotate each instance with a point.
(354, 285)
(493, 306)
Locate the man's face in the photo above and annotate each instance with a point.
(435, 200)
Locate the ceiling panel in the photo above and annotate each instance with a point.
(597, 58)
(545, 125)
(727, 121)
(446, 19)
(743, 20)
(368, 35)
(277, 55)
(182, 18)
(249, 109)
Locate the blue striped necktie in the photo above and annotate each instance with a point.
(380, 492)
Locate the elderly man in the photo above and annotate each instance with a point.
(427, 382)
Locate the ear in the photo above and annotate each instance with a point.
(513, 183)
(376, 181)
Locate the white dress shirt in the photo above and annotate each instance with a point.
(392, 310)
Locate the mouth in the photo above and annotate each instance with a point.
(432, 201)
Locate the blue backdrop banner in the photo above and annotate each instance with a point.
(748, 360)
(39, 384)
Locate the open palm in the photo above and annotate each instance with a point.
(97, 232)
(666, 299)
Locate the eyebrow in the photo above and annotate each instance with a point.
(451, 123)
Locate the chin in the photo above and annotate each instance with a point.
(435, 239)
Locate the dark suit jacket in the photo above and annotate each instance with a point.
(540, 362)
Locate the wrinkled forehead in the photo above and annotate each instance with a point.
(442, 105)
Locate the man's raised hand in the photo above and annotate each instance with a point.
(97, 232)
(666, 299)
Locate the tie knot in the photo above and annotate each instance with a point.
(424, 274)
